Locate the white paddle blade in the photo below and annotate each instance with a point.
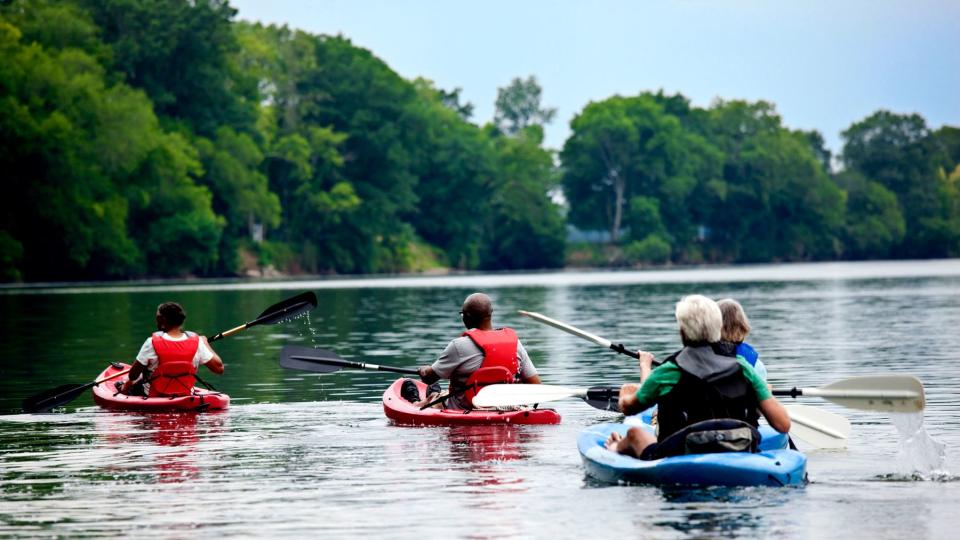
(817, 427)
(884, 393)
(515, 395)
(566, 328)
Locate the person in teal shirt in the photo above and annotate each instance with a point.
(695, 389)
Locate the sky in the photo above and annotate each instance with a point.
(824, 63)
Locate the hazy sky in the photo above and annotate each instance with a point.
(824, 63)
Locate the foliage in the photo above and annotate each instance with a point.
(874, 222)
(653, 248)
(164, 138)
(518, 106)
(729, 182)
(900, 153)
(525, 228)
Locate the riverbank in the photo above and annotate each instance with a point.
(572, 276)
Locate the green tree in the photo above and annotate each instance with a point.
(519, 106)
(900, 153)
(645, 219)
(456, 168)
(775, 201)
(626, 147)
(241, 194)
(183, 55)
(525, 228)
(874, 222)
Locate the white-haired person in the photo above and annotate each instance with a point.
(736, 328)
(697, 391)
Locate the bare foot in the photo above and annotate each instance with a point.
(613, 441)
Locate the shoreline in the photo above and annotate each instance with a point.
(776, 272)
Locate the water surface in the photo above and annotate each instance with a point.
(304, 454)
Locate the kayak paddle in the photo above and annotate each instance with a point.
(817, 427)
(884, 393)
(603, 342)
(279, 312)
(516, 395)
(61, 395)
(324, 361)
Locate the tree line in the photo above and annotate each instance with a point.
(730, 183)
(158, 138)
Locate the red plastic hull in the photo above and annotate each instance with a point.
(403, 412)
(105, 395)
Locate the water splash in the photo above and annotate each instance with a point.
(921, 457)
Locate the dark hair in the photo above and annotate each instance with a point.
(170, 315)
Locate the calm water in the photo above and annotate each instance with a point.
(301, 454)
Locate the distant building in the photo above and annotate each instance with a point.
(256, 232)
(575, 235)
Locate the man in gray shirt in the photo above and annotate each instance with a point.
(463, 356)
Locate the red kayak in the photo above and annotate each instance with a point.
(107, 396)
(403, 412)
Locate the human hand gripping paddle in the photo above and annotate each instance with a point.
(277, 313)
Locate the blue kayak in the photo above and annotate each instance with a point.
(774, 465)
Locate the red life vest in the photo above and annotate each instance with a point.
(175, 373)
(500, 365)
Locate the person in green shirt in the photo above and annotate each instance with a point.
(695, 389)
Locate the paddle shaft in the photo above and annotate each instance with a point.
(852, 393)
(573, 330)
(107, 378)
(356, 365)
(797, 419)
(70, 394)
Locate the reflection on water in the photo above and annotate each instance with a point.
(303, 454)
(170, 441)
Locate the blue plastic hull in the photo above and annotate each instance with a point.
(770, 467)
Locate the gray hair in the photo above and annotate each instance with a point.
(699, 318)
(736, 325)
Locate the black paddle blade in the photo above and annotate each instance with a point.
(605, 398)
(292, 357)
(287, 309)
(53, 398)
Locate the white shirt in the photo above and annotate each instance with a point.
(148, 357)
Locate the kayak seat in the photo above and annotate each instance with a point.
(485, 376)
(707, 437)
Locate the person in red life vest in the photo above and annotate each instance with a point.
(168, 360)
(697, 391)
(482, 355)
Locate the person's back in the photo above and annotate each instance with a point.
(710, 387)
(167, 363)
(482, 355)
(696, 389)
